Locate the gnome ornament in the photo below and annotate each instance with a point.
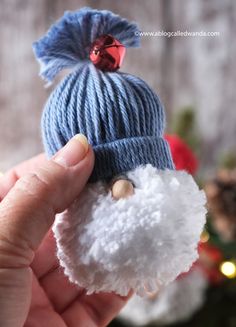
(138, 221)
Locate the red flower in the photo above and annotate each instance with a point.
(183, 157)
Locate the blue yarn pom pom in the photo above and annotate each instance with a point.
(67, 43)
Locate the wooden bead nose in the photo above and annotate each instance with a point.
(122, 188)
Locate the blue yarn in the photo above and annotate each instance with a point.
(68, 42)
(121, 116)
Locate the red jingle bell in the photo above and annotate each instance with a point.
(107, 53)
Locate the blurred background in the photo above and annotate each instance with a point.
(195, 77)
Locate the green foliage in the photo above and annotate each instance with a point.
(184, 125)
(228, 161)
(228, 249)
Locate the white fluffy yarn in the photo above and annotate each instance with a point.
(142, 242)
(177, 302)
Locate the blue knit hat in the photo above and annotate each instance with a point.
(120, 115)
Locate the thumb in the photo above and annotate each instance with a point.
(28, 210)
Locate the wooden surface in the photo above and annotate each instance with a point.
(184, 71)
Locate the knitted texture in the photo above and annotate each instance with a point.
(121, 116)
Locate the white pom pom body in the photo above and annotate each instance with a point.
(177, 302)
(142, 242)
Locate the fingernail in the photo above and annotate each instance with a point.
(73, 152)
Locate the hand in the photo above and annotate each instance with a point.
(33, 288)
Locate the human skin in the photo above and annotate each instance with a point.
(33, 289)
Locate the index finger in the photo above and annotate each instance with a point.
(8, 180)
